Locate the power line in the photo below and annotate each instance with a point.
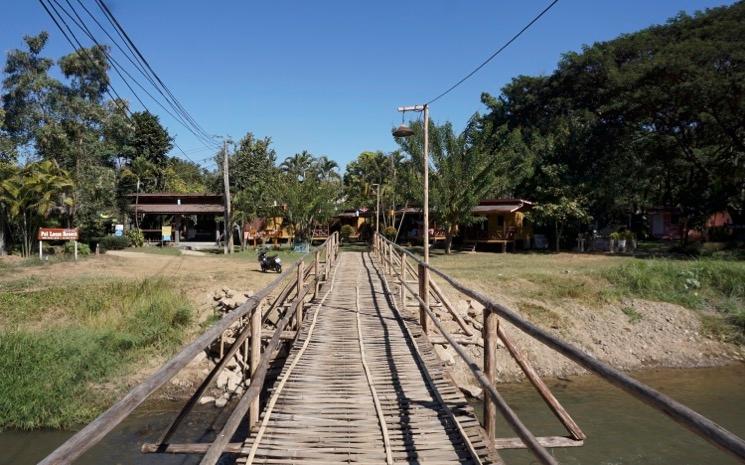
(493, 55)
(78, 47)
(131, 45)
(116, 65)
(129, 54)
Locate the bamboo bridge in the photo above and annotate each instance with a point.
(358, 379)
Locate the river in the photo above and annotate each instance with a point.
(620, 429)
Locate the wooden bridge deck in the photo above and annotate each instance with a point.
(362, 385)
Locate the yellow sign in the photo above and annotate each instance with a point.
(165, 232)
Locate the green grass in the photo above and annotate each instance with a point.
(706, 284)
(59, 345)
(715, 287)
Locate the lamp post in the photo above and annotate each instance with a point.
(377, 208)
(405, 131)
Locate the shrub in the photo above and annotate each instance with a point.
(83, 249)
(390, 233)
(346, 232)
(136, 237)
(113, 243)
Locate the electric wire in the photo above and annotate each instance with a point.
(493, 55)
(128, 54)
(139, 55)
(118, 69)
(76, 44)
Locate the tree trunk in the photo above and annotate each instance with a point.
(2, 235)
(243, 236)
(557, 232)
(448, 241)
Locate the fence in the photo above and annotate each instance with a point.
(394, 261)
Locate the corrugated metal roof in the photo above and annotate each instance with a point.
(174, 209)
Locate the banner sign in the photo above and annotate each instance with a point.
(165, 232)
(119, 230)
(57, 234)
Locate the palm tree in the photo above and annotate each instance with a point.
(30, 194)
(326, 169)
(298, 164)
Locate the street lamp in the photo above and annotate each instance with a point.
(405, 131)
(377, 208)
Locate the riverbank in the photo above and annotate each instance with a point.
(74, 336)
(630, 313)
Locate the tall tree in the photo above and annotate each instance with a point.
(463, 172)
(152, 142)
(26, 87)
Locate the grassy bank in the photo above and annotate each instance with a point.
(59, 344)
(714, 287)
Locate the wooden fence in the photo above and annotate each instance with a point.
(299, 283)
(394, 257)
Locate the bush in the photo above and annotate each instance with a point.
(83, 249)
(390, 233)
(136, 237)
(113, 243)
(346, 232)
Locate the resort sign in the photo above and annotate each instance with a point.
(57, 234)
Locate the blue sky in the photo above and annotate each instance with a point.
(327, 76)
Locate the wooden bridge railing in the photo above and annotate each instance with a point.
(391, 254)
(299, 283)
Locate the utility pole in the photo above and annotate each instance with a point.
(377, 208)
(228, 229)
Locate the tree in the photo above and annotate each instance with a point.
(303, 195)
(152, 142)
(463, 172)
(26, 86)
(30, 194)
(299, 164)
(254, 179)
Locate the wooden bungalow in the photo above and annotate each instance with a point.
(355, 218)
(504, 224)
(193, 216)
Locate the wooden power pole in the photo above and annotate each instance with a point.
(228, 229)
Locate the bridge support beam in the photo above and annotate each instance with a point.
(491, 323)
(402, 278)
(424, 295)
(255, 328)
(300, 284)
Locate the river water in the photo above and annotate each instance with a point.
(620, 429)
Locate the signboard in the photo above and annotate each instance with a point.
(165, 232)
(57, 234)
(119, 230)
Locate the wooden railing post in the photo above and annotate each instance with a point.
(253, 414)
(316, 278)
(402, 278)
(424, 295)
(300, 283)
(390, 259)
(490, 370)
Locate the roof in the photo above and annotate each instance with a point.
(175, 209)
(175, 195)
(502, 206)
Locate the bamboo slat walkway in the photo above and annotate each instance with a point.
(362, 386)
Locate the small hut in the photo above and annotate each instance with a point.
(504, 223)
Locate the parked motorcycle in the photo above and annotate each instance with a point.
(269, 262)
